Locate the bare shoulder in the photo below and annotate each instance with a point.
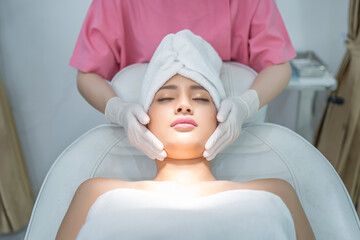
(84, 197)
(289, 196)
(91, 189)
(95, 187)
(274, 185)
(277, 186)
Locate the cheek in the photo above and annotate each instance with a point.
(153, 120)
(158, 121)
(209, 122)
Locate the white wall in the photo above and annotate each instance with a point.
(319, 26)
(36, 41)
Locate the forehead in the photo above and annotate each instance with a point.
(180, 81)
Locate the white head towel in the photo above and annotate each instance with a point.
(186, 54)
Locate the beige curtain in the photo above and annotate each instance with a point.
(16, 198)
(338, 137)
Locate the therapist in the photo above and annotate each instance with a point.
(118, 33)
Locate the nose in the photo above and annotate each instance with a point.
(184, 107)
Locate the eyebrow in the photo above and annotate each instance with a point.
(192, 87)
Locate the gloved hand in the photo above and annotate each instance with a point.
(133, 118)
(232, 113)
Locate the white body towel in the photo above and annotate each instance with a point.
(236, 214)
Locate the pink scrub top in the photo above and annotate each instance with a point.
(118, 33)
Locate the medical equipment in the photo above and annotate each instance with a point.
(307, 64)
(262, 151)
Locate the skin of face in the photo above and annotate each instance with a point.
(181, 97)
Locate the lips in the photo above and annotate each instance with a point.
(184, 121)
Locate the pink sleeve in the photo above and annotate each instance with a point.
(269, 41)
(98, 46)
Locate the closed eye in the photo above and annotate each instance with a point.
(165, 99)
(201, 99)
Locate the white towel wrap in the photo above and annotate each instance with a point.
(236, 214)
(186, 54)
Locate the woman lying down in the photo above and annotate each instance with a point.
(184, 200)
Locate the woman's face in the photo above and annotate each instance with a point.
(183, 117)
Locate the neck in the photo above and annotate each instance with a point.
(184, 171)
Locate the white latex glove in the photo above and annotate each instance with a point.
(232, 113)
(132, 117)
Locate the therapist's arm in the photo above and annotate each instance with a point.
(94, 89)
(271, 81)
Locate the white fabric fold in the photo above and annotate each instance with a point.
(235, 214)
(186, 54)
